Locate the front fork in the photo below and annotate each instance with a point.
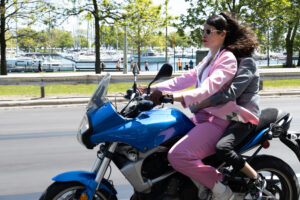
(101, 164)
(107, 157)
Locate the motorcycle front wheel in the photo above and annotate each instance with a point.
(71, 191)
(282, 182)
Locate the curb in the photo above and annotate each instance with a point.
(42, 102)
(54, 101)
(279, 93)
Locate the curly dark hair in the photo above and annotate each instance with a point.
(240, 40)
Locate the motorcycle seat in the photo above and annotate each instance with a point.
(267, 117)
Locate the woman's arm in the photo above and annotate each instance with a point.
(179, 83)
(225, 69)
(241, 81)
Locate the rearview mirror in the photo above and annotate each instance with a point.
(165, 71)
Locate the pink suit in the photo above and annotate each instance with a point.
(187, 154)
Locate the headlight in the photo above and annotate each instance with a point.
(83, 127)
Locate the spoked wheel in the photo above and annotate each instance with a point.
(282, 183)
(71, 191)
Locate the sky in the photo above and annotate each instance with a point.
(175, 8)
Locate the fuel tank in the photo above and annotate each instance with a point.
(148, 130)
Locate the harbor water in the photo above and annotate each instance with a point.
(185, 61)
(59, 63)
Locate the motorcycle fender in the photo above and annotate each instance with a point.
(292, 144)
(87, 179)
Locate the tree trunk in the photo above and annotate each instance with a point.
(139, 49)
(289, 47)
(2, 39)
(139, 56)
(289, 54)
(291, 33)
(97, 38)
(298, 64)
(166, 54)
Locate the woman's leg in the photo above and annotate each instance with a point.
(187, 154)
(233, 136)
(235, 133)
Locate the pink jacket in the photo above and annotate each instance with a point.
(219, 76)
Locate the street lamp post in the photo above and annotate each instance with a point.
(125, 52)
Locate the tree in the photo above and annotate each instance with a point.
(292, 16)
(143, 20)
(167, 20)
(200, 10)
(281, 18)
(181, 39)
(26, 39)
(12, 10)
(269, 18)
(12, 43)
(62, 39)
(84, 43)
(297, 46)
(42, 40)
(105, 11)
(111, 35)
(158, 40)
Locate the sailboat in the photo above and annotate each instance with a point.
(150, 56)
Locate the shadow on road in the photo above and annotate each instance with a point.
(124, 193)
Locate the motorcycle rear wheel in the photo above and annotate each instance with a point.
(71, 190)
(281, 179)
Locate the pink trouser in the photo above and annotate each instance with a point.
(187, 154)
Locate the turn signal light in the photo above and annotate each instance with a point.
(266, 144)
(84, 196)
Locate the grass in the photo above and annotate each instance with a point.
(80, 89)
(273, 66)
(87, 89)
(282, 83)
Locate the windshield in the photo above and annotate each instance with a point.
(99, 97)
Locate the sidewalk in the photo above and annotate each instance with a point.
(7, 101)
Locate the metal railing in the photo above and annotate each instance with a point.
(43, 79)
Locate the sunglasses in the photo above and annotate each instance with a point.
(208, 31)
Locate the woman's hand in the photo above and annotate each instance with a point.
(142, 89)
(156, 96)
(204, 104)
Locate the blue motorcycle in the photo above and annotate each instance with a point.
(138, 138)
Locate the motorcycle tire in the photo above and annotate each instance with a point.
(72, 190)
(282, 181)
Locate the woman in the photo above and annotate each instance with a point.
(212, 75)
(244, 89)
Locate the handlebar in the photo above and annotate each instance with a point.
(166, 99)
(139, 103)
